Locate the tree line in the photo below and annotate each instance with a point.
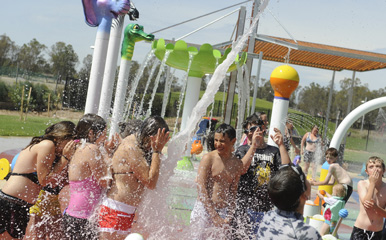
(60, 60)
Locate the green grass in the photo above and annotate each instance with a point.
(11, 125)
(360, 156)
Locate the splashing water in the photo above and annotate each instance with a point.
(152, 71)
(223, 97)
(161, 69)
(154, 209)
(182, 94)
(247, 87)
(168, 85)
(240, 101)
(134, 85)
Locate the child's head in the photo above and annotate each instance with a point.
(130, 127)
(339, 190)
(226, 130)
(375, 159)
(287, 187)
(331, 155)
(91, 127)
(252, 120)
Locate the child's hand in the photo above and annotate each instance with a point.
(278, 137)
(113, 144)
(368, 204)
(312, 182)
(374, 177)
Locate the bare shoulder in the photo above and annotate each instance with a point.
(45, 145)
(383, 188)
(127, 150)
(334, 166)
(363, 184)
(208, 158)
(237, 161)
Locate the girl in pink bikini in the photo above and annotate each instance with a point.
(87, 172)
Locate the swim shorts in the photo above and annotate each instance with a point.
(116, 217)
(14, 215)
(200, 219)
(359, 234)
(46, 205)
(79, 228)
(308, 156)
(348, 192)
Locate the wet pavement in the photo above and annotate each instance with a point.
(7, 143)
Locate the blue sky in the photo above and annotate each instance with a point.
(352, 24)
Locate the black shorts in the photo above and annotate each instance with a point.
(359, 234)
(14, 215)
(79, 228)
(308, 156)
(348, 192)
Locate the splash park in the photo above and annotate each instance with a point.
(163, 211)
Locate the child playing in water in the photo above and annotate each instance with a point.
(38, 166)
(217, 178)
(372, 196)
(135, 167)
(87, 174)
(335, 173)
(334, 204)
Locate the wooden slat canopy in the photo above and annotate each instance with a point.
(310, 54)
(318, 55)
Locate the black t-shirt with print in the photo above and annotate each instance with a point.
(252, 190)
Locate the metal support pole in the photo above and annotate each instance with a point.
(255, 86)
(329, 105)
(351, 92)
(232, 81)
(363, 117)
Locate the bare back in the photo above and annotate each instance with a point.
(22, 187)
(339, 174)
(367, 218)
(127, 165)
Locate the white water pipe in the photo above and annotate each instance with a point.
(352, 117)
(98, 66)
(191, 98)
(278, 118)
(120, 94)
(110, 68)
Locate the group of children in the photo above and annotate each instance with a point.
(106, 180)
(238, 190)
(252, 192)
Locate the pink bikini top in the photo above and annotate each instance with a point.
(84, 197)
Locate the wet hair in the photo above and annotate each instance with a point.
(210, 142)
(286, 187)
(252, 119)
(332, 151)
(340, 190)
(130, 127)
(374, 159)
(226, 129)
(149, 127)
(89, 122)
(64, 130)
